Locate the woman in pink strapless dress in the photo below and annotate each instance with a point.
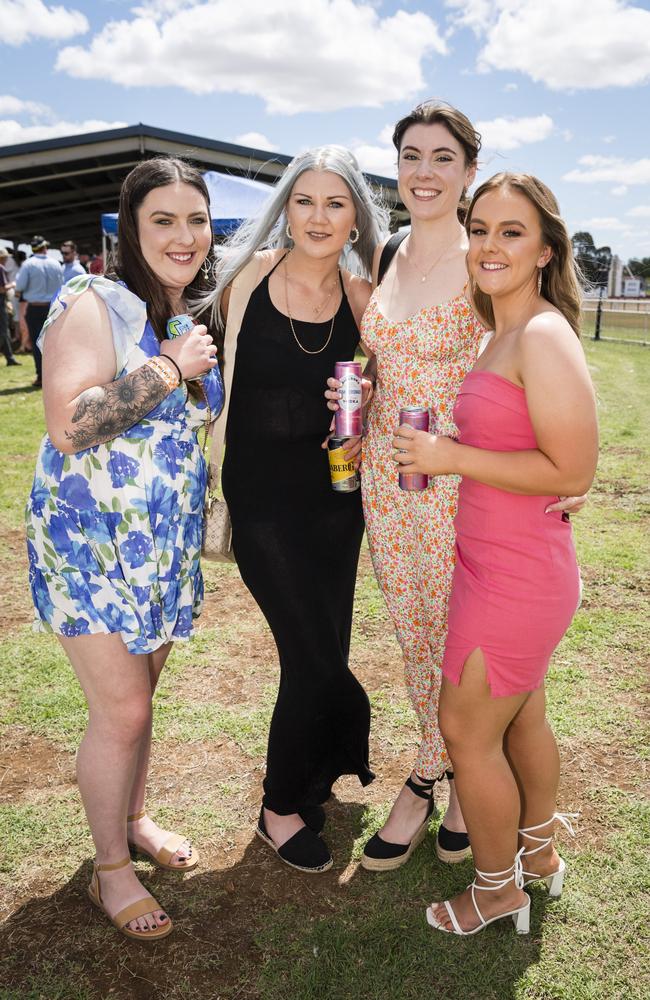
(516, 583)
(527, 433)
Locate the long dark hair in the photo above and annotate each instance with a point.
(127, 263)
(432, 112)
(561, 278)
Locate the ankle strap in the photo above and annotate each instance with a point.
(424, 791)
(498, 880)
(135, 816)
(112, 868)
(563, 818)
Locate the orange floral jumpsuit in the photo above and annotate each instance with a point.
(421, 361)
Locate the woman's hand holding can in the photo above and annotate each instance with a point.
(195, 352)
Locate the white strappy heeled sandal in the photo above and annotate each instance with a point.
(496, 880)
(554, 881)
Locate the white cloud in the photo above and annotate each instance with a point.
(510, 133)
(565, 44)
(321, 56)
(639, 212)
(603, 222)
(610, 168)
(609, 139)
(10, 105)
(473, 14)
(509, 87)
(378, 158)
(12, 132)
(44, 122)
(22, 20)
(619, 191)
(256, 140)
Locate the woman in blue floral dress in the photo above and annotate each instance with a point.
(114, 518)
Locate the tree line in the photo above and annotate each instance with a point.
(594, 262)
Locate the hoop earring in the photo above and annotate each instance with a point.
(539, 280)
(288, 231)
(353, 230)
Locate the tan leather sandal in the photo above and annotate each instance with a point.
(138, 909)
(167, 851)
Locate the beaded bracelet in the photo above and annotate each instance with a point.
(169, 377)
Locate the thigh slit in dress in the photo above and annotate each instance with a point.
(297, 545)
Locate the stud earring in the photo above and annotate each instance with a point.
(354, 239)
(288, 231)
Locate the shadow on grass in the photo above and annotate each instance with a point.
(20, 389)
(257, 930)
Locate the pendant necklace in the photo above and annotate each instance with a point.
(425, 274)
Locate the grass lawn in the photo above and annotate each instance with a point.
(247, 928)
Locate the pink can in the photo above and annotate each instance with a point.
(417, 417)
(348, 420)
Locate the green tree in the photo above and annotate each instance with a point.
(593, 261)
(640, 268)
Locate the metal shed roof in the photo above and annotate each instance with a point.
(60, 187)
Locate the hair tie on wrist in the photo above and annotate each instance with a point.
(168, 358)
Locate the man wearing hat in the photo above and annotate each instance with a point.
(6, 284)
(37, 282)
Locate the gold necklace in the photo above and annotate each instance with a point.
(295, 335)
(425, 274)
(317, 310)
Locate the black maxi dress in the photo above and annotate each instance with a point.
(297, 545)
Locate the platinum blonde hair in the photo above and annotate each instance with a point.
(268, 229)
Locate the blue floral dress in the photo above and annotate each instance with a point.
(114, 532)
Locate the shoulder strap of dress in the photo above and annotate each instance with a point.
(387, 254)
(240, 293)
(277, 264)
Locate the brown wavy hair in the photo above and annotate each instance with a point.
(127, 263)
(561, 277)
(432, 112)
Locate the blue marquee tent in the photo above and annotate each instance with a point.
(232, 199)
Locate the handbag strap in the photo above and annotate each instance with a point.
(387, 254)
(240, 293)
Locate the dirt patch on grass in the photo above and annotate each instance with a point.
(15, 602)
(30, 764)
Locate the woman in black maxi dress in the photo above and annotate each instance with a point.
(296, 540)
(297, 546)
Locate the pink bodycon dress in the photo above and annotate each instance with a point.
(516, 583)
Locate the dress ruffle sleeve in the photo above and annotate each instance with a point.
(127, 313)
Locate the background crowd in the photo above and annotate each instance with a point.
(27, 287)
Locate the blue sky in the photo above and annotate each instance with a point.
(559, 88)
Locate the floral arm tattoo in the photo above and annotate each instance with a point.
(104, 411)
